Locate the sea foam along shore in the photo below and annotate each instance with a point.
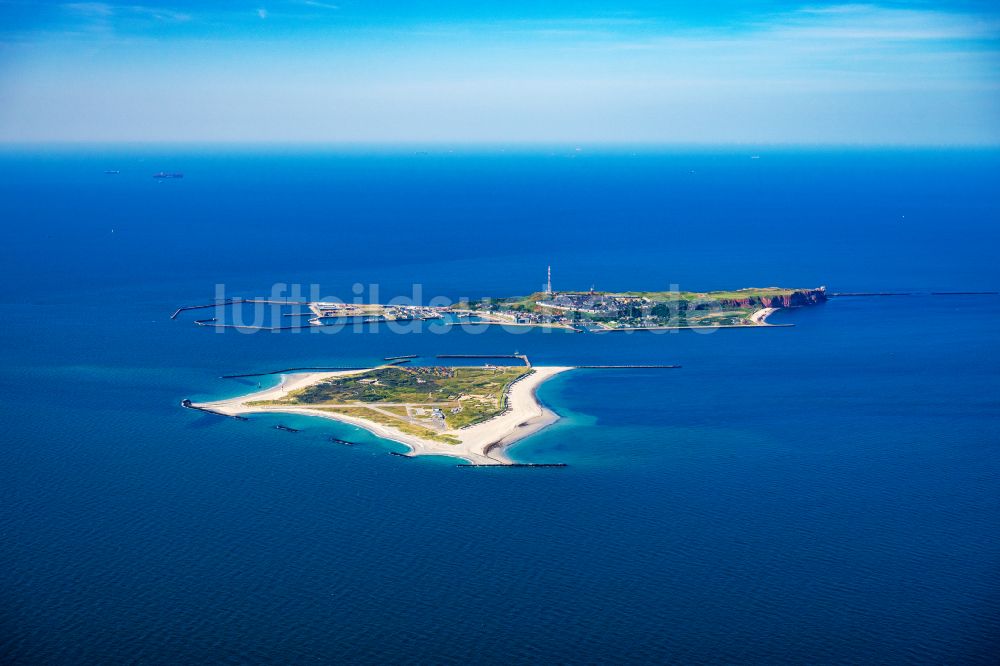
(482, 443)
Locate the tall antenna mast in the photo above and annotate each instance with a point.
(548, 284)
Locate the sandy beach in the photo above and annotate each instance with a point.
(483, 443)
(760, 316)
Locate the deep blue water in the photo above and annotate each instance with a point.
(826, 493)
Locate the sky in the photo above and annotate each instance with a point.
(588, 72)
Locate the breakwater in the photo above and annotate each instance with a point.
(630, 367)
(288, 370)
(872, 293)
(512, 465)
(187, 404)
(653, 329)
(914, 293)
(211, 323)
(234, 301)
(522, 357)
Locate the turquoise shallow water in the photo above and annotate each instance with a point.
(825, 493)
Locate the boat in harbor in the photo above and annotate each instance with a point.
(164, 175)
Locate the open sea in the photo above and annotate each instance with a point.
(823, 493)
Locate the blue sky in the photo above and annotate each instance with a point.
(323, 71)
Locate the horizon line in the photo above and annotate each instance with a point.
(501, 144)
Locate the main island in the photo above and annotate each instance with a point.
(600, 311)
(576, 311)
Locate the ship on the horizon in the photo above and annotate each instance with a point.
(163, 174)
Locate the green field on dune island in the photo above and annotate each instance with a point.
(434, 398)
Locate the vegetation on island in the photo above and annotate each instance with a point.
(397, 422)
(641, 309)
(423, 401)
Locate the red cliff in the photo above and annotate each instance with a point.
(793, 299)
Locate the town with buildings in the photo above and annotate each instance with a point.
(578, 311)
(598, 311)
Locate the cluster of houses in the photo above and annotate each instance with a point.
(592, 303)
(536, 318)
(436, 414)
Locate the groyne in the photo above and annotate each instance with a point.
(913, 293)
(629, 367)
(522, 357)
(210, 323)
(289, 370)
(872, 293)
(187, 404)
(235, 301)
(653, 329)
(512, 465)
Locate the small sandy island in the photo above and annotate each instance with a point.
(482, 443)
